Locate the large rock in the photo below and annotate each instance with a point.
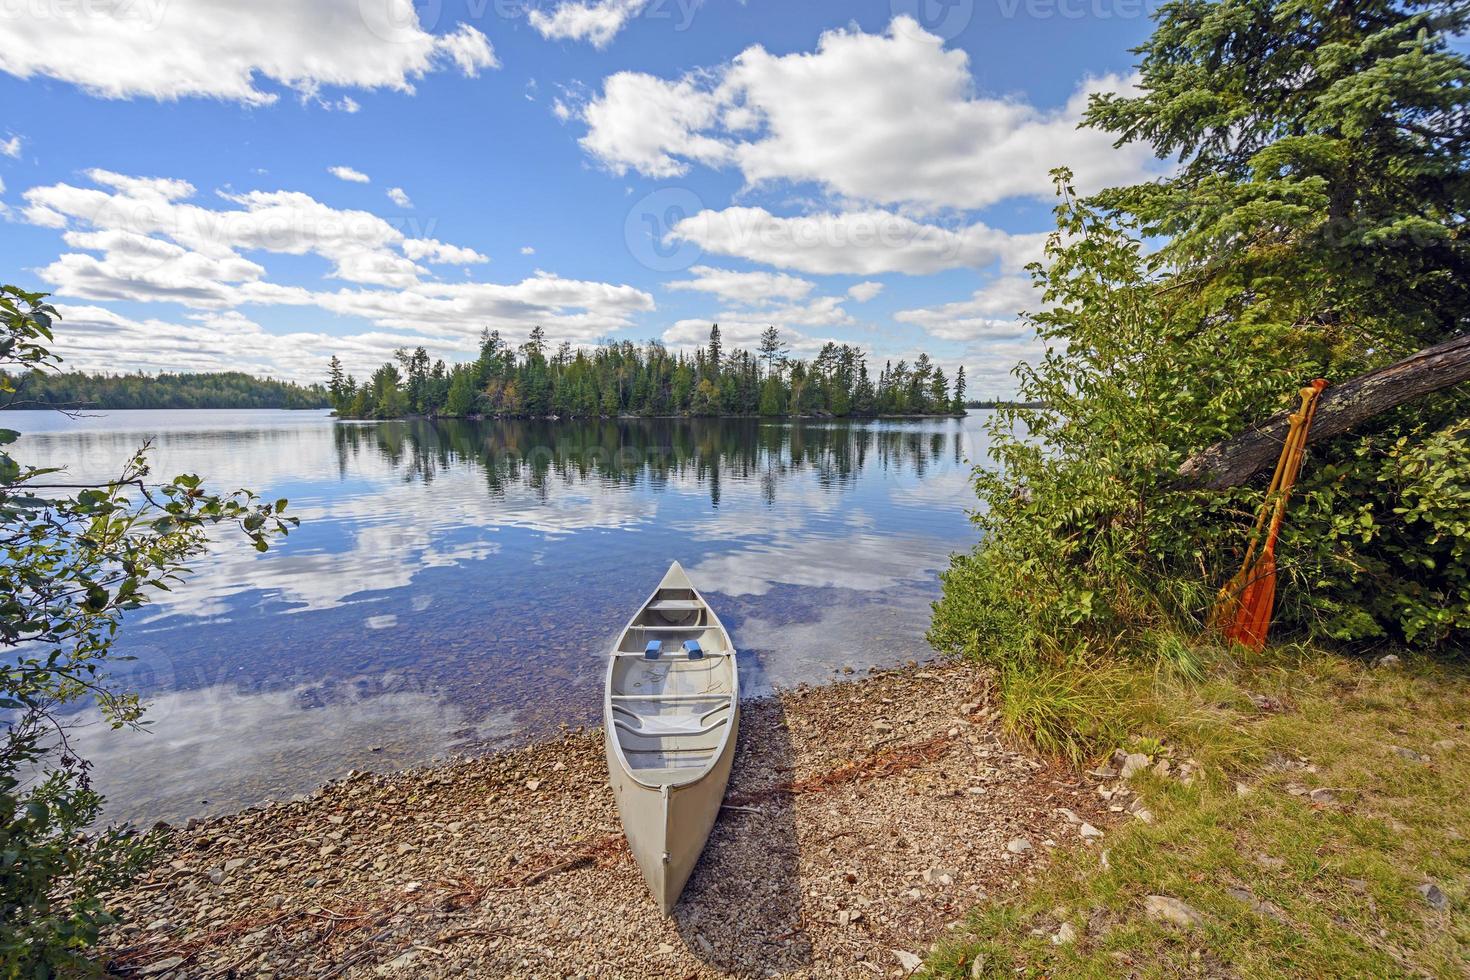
(1134, 764)
(1163, 908)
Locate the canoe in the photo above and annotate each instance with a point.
(670, 715)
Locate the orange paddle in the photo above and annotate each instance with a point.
(1246, 612)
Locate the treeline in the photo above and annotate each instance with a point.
(222, 389)
(627, 379)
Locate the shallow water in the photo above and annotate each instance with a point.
(452, 585)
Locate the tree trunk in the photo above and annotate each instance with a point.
(1234, 461)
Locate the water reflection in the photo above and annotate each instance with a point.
(453, 584)
(547, 456)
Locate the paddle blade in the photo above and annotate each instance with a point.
(1252, 620)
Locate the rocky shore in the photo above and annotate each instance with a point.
(862, 820)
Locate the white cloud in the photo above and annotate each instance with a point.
(11, 147)
(349, 174)
(864, 291)
(92, 338)
(433, 250)
(746, 288)
(224, 49)
(852, 242)
(835, 118)
(399, 197)
(155, 245)
(597, 22)
(743, 327)
(359, 244)
(993, 311)
(527, 250)
(652, 126)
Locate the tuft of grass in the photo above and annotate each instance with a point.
(1284, 885)
(1069, 712)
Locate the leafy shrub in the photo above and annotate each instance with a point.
(70, 566)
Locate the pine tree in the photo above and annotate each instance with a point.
(336, 383)
(714, 353)
(958, 404)
(772, 350)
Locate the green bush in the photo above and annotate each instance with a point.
(1311, 226)
(70, 566)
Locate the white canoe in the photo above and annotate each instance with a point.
(670, 714)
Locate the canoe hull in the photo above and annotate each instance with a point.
(671, 712)
(668, 826)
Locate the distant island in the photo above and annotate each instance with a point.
(221, 389)
(623, 379)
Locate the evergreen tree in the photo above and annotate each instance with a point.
(773, 396)
(772, 349)
(461, 397)
(714, 353)
(1324, 188)
(958, 404)
(336, 383)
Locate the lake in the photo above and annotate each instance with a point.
(453, 585)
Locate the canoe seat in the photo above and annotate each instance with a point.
(653, 649)
(661, 727)
(674, 605)
(695, 651)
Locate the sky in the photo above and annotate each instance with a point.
(216, 185)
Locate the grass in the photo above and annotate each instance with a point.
(1283, 884)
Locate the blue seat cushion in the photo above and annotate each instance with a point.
(693, 648)
(653, 649)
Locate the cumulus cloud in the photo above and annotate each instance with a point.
(596, 23)
(349, 174)
(433, 250)
(834, 118)
(652, 126)
(142, 239)
(11, 147)
(746, 288)
(225, 49)
(864, 291)
(399, 197)
(862, 243)
(94, 338)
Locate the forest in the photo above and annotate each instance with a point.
(220, 389)
(610, 380)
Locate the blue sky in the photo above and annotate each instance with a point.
(205, 184)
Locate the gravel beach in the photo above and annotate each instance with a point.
(862, 819)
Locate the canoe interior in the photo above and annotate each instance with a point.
(671, 714)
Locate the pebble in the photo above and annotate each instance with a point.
(1409, 754)
(1065, 935)
(895, 867)
(1323, 795)
(1387, 660)
(1146, 816)
(1434, 896)
(1089, 832)
(1133, 765)
(1163, 908)
(909, 961)
(161, 966)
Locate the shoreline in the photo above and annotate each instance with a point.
(657, 418)
(863, 818)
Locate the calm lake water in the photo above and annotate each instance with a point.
(453, 585)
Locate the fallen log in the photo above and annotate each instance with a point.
(1342, 407)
